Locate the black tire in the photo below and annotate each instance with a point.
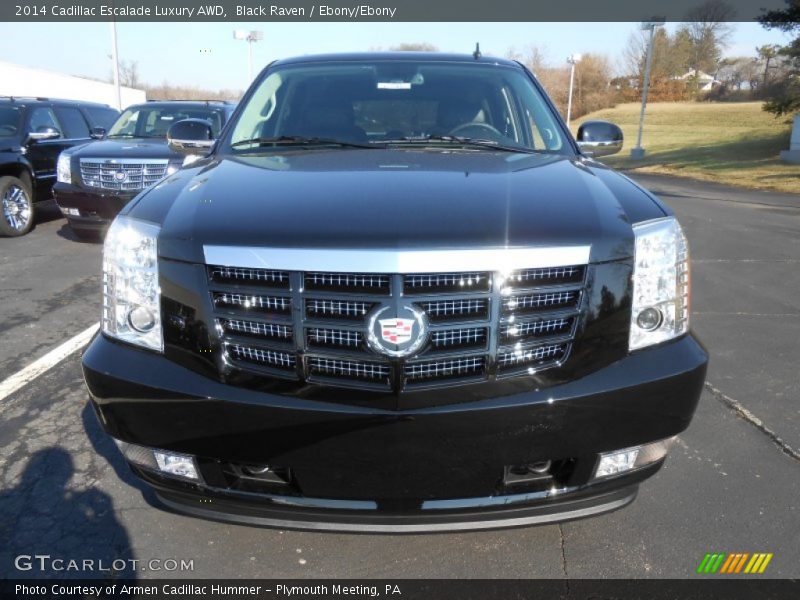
(16, 207)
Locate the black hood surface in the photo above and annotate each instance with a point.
(391, 199)
(127, 148)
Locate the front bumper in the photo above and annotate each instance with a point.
(96, 207)
(356, 468)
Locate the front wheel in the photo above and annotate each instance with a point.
(16, 205)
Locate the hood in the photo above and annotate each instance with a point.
(388, 199)
(126, 148)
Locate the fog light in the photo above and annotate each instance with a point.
(628, 459)
(142, 319)
(613, 463)
(178, 465)
(73, 212)
(649, 319)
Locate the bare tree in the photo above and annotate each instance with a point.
(129, 74)
(532, 56)
(415, 47)
(708, 30)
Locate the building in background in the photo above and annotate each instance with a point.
(17, 80)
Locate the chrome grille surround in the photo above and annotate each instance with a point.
(122, 174)
(268, 310)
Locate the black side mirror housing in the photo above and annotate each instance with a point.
(599, 138)
(97, 133)
(191, 136)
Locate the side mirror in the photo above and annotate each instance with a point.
(599, 138)
(190, 136)
(97, 133)
(44, 133)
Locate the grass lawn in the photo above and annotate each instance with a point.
(735, 143)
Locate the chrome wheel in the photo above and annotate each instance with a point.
(16, 207)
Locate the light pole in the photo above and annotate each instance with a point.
(638, 151)
(115, 63)
(249, 37)
(572, 59)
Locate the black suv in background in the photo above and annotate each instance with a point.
(96, 180)
(33, 132)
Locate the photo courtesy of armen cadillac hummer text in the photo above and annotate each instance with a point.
(395, 295)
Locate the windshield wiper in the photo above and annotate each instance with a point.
(461, 141)
(298, 140)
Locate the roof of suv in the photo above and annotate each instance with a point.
(397, 55)
(40, 100)
(187, 103)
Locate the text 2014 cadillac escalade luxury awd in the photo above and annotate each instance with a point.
(396, 295)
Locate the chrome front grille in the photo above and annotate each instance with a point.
(262, 356)
(256, 329)
(443, 283)
(280, 304)
(238, 275)
(532, 356)
(456, 310)
(351, 369)
(337, 309)
(123, 175)
(319, 336)
(473, 366)
(449, 338)
(347, 282)
(543, 301)
(546, 276)
(313, 326)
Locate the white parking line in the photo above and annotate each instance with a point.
(46, 362)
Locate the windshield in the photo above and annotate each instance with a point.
(9, 121)
(383, 103)
(154, 121)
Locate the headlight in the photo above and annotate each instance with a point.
(661, 286)
(64, 168)
(131, 295)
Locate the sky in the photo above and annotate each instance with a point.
(205, 55)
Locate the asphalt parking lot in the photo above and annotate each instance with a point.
(731, 484)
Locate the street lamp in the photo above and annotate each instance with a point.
(115, 63)
(638, 151)
(249, 37)
(572, 59)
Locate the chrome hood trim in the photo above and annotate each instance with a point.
(396, 261)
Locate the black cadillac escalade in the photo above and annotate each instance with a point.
(396, 295)
(96, 180)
